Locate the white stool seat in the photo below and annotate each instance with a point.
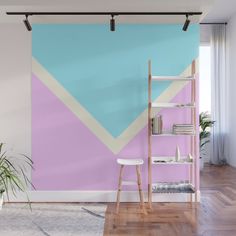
(130, 162)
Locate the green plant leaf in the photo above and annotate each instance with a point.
(12, 173)
(204, 123)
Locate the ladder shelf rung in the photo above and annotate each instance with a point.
(173, 78)
(171, 160)
(172, 163)
(170, 134)
(171, 105)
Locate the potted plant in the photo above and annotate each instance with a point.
(205, 124)
(12, 173)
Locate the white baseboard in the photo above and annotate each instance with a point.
(98, 196)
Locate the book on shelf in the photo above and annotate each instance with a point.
(157, 125)
(186, 105)
(183, 129)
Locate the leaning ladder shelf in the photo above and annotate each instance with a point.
(192, 137)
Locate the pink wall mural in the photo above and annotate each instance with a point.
(68, 156)
(87, 93)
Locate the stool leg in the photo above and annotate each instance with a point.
(140, 188)
(119, 189)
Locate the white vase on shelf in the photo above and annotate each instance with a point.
(190, 158)
(177, 154)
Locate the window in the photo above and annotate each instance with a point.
(205, 79)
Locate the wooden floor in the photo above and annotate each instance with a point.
(214, 216)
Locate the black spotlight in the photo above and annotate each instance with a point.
(27, 24)
(112, 24)
(186, 24)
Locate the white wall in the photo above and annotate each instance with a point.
(205, 34)
(205, 38)
(231, 37)
(15, 87)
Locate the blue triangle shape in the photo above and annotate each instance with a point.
(107, 71)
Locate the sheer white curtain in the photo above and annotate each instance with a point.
(219, 99)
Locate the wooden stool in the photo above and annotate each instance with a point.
(130, 162)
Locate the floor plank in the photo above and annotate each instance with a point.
(214, 216)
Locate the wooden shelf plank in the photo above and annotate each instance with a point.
(169, 134)
(171, 163)
(172, 78)
(166, 157)
(171, 105)
(170, 160)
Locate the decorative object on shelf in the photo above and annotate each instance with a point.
(205, 124)
(157, 125)
(186, 105)
(165, 160)
(173, 187)
(160, 161)
(183, 129)
(12, 173)
(190, 158)
(177, 154)
(172, 105)
(171, 162)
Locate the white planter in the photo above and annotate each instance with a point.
(1, 201)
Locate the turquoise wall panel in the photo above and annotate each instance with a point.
(107, 71)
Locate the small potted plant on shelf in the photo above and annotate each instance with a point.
(205, 124)
(13, 178)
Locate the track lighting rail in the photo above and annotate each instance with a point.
(112, 14)
(106, 13)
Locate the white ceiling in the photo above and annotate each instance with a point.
(213, 10)
(104, 5)
(221, 11)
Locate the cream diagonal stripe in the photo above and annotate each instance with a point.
(114, 144)
(70, 102)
